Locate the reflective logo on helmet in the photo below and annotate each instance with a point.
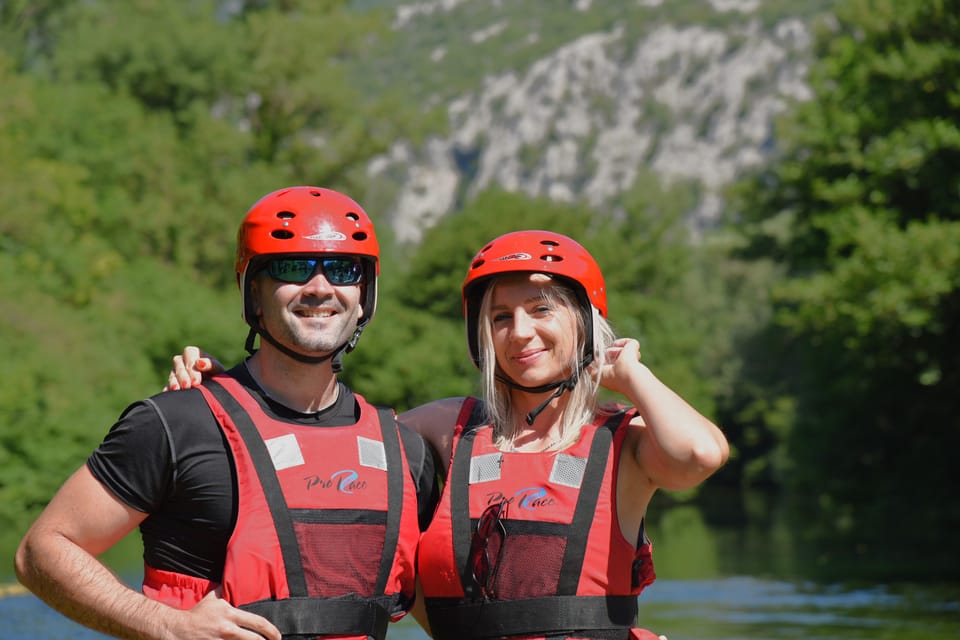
(515, 256)
(327, 235)
(326, 231)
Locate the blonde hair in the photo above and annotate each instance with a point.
(582, 405)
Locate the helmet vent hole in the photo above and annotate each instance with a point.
(477, 264)
(550, 243)
(353, 216)
(282, 234)
(286, 215)
(359, 236)
(551, 258)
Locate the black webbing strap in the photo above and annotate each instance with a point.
(460, 499)
(532, 616)
(391, 445)
(586, 507)
(315, 616)
(260, 456)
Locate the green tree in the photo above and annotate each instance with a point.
(133, 136)
(857, 375)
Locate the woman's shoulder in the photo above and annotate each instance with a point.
(436, 421)
(445, 410)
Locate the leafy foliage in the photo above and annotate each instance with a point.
(857, 375)
(132, 138)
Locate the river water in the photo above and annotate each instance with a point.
(736, 607)
(714, 583)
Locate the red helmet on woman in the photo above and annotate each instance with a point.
(533, 251)
(306, 221)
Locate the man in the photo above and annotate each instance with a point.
(271, 500)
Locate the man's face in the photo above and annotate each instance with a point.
(314, 317)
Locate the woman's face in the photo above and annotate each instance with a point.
(534, 339)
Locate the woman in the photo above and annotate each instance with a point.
(539, 531)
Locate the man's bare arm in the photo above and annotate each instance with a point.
(57, 560)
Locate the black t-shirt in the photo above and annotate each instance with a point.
(167, 456)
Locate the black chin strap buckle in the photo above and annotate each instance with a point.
(569, 383)
(251, 336)
(350, 345)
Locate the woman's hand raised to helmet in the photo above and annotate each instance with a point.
(622, 362)
(190, 367)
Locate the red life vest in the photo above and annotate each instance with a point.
(561, 567)
(326, 531)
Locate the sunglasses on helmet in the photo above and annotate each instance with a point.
(340, 271)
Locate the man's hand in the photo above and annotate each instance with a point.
(215, 619)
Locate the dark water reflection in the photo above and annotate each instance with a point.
(746, 607)
(724, 576)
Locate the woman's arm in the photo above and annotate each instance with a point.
(435, 421)
(673, 444)
(190, 367)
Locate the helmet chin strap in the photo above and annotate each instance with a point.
(336, 355)
(561, 385)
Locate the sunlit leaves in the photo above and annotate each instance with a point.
(862, 212)
(131, 144)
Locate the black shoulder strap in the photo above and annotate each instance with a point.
(260, 456)
(586, 506)
(391, 444)
(460, 495)
(475, 417)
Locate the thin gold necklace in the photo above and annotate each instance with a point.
(550, 445)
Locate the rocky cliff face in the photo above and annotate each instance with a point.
(685, 101)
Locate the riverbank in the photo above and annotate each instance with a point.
(14, 589)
